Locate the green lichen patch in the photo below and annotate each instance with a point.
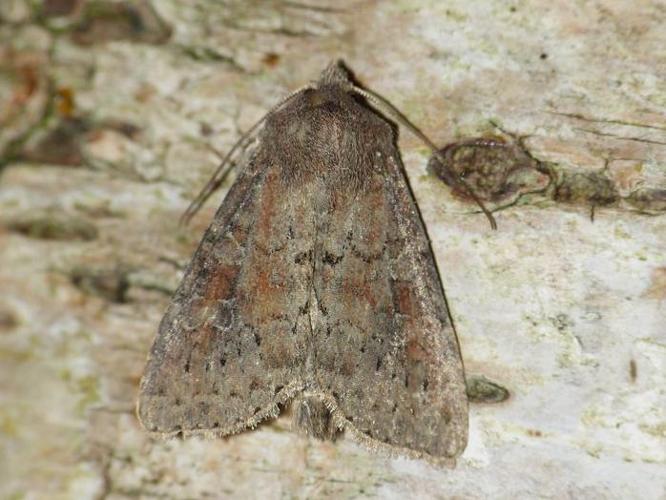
(111, 284)
(58, 145)
(8, 320)
(104, 21)
(87, 388)
(586, 188)
(62, 141)
(633, 370)
(58, 8)
(657, 429)
(648, 199)
(54, 226)
(482, 390)
(24, 96)
(497, 170)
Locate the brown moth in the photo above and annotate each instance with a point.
(315, 284)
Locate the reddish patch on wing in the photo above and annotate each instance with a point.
(266, 292)
(264, 287)
(408, 306)
(221, 284)
(415, 351)
(405, 299)
(357, 290)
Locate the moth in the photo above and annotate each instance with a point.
(314, 287)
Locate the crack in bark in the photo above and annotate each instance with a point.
(313, 8)
(209, 54)
(611, 121)
(619, 137)
(291, 33)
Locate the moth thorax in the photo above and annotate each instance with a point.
(310, 416)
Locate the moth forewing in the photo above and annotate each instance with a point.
(315, 282)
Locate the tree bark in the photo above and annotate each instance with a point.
(111, 115)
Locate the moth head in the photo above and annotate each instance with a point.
(336, 73)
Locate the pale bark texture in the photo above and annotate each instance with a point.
(110, 116)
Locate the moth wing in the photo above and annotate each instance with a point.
(232, 343)
(386, 352)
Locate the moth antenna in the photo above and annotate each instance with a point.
(217, 178)
(226, 164)
(384, 104)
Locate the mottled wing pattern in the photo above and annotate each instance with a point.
(232, 343)
(316, 275)
(385, 348)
